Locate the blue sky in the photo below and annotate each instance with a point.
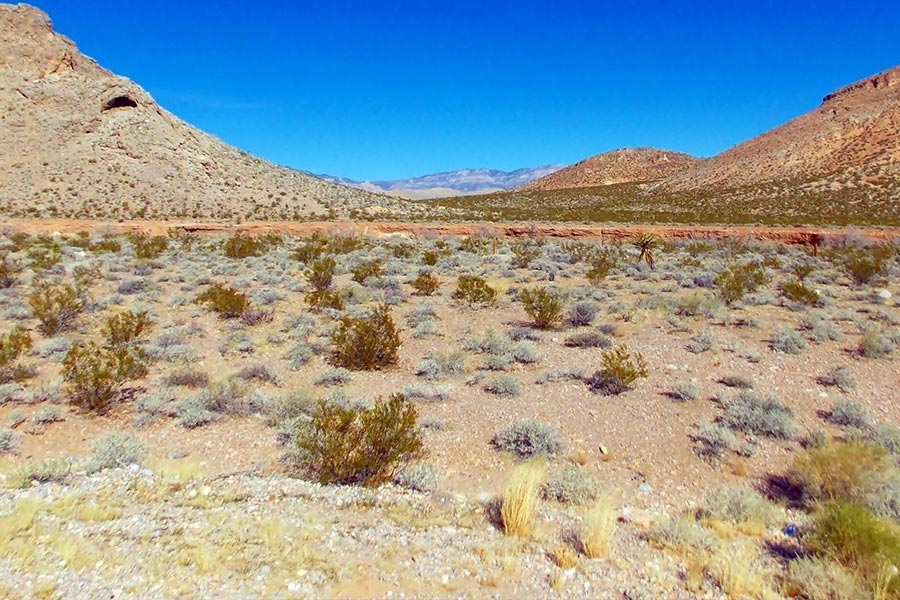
(381, 90)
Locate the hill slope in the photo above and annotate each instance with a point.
(79, 141)
(619, 166)
(851, 142)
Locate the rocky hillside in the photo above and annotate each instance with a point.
(850, 143)
(619, 166)
(79, 141)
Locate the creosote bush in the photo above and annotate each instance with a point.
(12, 345)
(148, 248)
(544, 308)
(619, 369)
(474, 290)
(127, 328)
(796, 291)
(368, 447)
(224, 300)
(56, 307)
(425, 283)
(736, 281)
(363, 271)
(95, 375)
(367, 343)
(242, 246)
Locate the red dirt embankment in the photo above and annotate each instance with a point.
(785, 235)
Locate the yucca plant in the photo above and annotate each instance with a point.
(646, 243)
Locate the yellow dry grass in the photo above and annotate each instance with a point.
(600, 524)
(520, 497)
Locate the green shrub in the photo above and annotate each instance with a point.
(56, 307)
(311, 250)
(368, 269)
(425, 283)
(368, 447)
(127, 328)
(325, 299)
(149, 248)
(761, 416)
(795, 291)
(370, 342)
(601, 265)
(544, 308)
(523, 253)
(474, 290)
(862, 268)
(619, 369)
(242, 246)
(321, 273)
(527, 439)
(7, 274)
(845, 471)
(867, 545)
(12, 345)
(736, 281)
(95, 375)
(224, 300)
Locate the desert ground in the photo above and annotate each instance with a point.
(583, 420)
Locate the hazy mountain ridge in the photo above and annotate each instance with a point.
(461, 182)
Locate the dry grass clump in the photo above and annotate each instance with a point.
(599, 528)
(520, 496)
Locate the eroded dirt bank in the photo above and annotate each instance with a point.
(786, 235)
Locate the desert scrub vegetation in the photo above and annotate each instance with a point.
(474, 290)
(352, 446)
(543, 307)
(529, 438)
(425, 283)
(95, 375)
(752, 413)
(243, 246)
(12, 346)
(619, 369)
(520, 497)
(148, 248)
(56, 307)
(224, 300)
(736, 281)
(366, 343)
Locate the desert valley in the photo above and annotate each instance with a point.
(645, 375)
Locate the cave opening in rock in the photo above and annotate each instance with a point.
(120, 102)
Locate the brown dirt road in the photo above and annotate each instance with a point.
(787, 235)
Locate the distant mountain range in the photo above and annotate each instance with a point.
(450, 183)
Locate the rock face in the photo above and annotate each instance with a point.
(619, 166)
(79, 141)
(851, 143)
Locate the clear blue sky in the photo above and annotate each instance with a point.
(380, 90)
